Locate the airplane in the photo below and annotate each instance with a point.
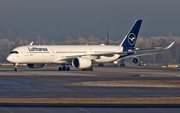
(79, 56)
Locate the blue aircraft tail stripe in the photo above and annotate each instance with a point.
(130, 39)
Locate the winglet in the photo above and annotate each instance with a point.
(31, 43)
(169, 46)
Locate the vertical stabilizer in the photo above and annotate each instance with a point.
(130, 39)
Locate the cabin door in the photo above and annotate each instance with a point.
(26, 52)
(52, 52)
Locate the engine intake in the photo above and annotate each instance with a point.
(135, 61)
(34, 66)
(81, 63)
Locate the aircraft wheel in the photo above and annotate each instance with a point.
(64, 68)
(101, 65)
(122, 65)
(60, 69)
(15, 69)
(68, 68)
(91, 69)
(87, 69)
(83, 69)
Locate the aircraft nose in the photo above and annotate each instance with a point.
(10, 58)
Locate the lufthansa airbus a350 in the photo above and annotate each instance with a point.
(79, 56)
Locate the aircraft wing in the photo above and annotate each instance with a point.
(155, 50)
(134, 55)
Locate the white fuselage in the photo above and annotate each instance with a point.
(59, 53)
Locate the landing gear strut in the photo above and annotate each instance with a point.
(15, 67)
(122, 63)
(64, 68)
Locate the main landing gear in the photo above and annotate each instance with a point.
(64, 68)
(88, 69)
(101, 65)
(122, 63)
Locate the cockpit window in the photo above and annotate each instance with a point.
(15, 52)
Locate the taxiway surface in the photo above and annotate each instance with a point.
(47, 82)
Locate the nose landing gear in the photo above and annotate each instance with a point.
(15, 67)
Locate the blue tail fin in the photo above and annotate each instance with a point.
(130, 39)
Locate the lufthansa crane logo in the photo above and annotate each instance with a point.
(131, 38)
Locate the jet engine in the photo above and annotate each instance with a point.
(135, 61)
(81, 63)
(34, 66)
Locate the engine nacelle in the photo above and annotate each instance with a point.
(135, 61)
(34, 66)
(81, 63)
